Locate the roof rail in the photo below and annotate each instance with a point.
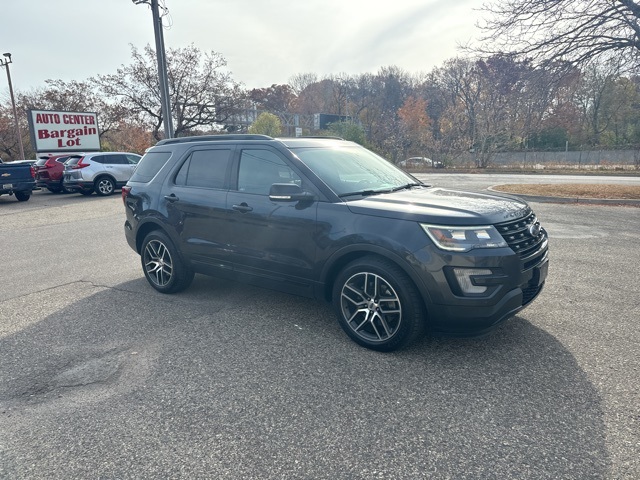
(209, 138)
(328, 137)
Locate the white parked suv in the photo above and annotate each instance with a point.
(100, 172)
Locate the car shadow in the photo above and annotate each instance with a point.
(233, 381)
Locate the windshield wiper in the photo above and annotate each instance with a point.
(365, 193)
(407, 186)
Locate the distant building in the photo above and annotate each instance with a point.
(321, 121)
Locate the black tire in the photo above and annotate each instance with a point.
(104, 186)
(162, 264)
(378, 305)
(22, 196)
(54, 189)
(86, 191)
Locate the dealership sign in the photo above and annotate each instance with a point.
(64, 131)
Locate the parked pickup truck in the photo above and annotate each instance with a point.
(17, 178)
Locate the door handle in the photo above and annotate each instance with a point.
(171, 198)
(242, 208)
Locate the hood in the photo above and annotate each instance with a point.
(442, 206)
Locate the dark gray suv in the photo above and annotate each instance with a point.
(326, 218)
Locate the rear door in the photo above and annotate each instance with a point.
(195, 200)
(117, 165)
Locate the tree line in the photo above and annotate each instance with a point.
(543, 89)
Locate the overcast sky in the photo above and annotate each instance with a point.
(263, 41)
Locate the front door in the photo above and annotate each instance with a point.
(270, 240)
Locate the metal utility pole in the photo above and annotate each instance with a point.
(162, 66)
(5, 63)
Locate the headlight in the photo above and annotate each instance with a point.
(463, 239)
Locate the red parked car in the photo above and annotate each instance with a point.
(49, 172)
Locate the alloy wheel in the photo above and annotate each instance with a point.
(158, 263)
(370, 307)
(105, 186)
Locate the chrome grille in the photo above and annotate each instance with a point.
(517, 233)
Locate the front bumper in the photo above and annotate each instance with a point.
(511, 288)
(463, 320)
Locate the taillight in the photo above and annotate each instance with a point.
(33, 172)
(125, 193)
(79, 165)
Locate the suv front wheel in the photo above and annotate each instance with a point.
(104, 186)
(162, 265)
(378, 305)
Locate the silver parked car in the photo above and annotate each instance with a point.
(100, 172)
(420, 162)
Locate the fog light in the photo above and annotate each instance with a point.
(464, 277)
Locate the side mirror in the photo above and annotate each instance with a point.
(288, 192)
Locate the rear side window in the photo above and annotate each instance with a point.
(111, 159)
(205, 168)
(149, 166)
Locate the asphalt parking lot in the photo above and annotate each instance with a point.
(102, 377)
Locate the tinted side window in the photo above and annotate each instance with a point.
(259, 169)
(205, 168)
(149, 166)
(111, 159)
(119, 159)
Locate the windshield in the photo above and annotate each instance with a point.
(353, 170)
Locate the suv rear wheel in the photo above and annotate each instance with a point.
(162, 265)
(378, 305)
(104, 186)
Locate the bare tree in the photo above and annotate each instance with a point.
(301, 81)
(202, 92)
(274, 99)
(574, 31)
(8, 140)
